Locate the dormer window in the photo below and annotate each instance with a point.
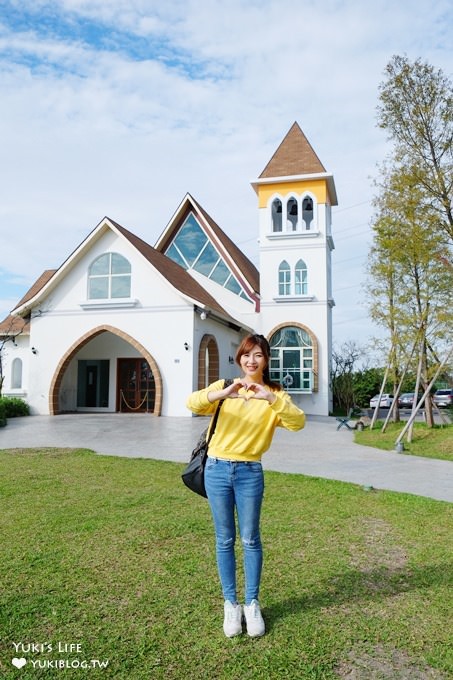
(109, 277)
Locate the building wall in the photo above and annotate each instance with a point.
(313, 310)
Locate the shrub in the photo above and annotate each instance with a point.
(13, 407)
(2, 414)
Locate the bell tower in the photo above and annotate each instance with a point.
(295, 197)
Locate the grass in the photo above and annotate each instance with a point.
(436, 442)
(117, 556)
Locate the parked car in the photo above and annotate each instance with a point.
(443, 397)
(406, 400)
(386, 401)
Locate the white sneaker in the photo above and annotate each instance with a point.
(254, 619)
(232, 623)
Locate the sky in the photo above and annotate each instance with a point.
(121, 107)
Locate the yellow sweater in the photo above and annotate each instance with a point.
(245, 429)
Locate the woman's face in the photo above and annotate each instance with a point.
(253, 364)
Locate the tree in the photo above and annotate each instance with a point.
(416, 108)
(410, 261)
(410, 287)
(344, 361)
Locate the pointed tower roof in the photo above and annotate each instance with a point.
(294, 156)
(295, 159)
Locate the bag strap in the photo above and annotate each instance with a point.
(226, 383)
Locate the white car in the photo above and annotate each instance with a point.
(386, 401)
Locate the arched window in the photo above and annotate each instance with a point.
(276, 215)
(291, 214)
(109, 276)
(16, 374)
(307, 212)
(301, 278)
(284, 278)
(292, 356)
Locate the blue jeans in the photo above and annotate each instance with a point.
(240, 485)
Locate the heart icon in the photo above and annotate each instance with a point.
(19, 662)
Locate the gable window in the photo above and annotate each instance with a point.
(16, 374)
(276, 215)
(109, 276)
(292, 356)
(301, 278)
(192, 249)
(284, 278)
(307, 212)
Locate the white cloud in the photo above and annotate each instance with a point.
(195, 97)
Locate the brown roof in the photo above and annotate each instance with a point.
(172, 271)
(294, 156)
(36, 287)
(14, 325)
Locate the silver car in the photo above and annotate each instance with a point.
(443, 397)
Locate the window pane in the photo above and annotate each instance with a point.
(191, 240)
(176, 256)
(292, 359)
(98, 288)
(121, 286)
(207, 260)
(101, 265)
(120, 265)
(233, 285)
(220, 273)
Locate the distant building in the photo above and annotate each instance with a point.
(124, 326)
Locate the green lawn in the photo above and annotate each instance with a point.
(117, 556)
(436, 442)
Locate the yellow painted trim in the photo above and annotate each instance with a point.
(317, 187)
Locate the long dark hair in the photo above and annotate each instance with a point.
(245, 347)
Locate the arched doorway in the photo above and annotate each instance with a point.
(208, 361)
(145, 356)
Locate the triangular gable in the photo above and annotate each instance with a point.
(172, 272)
(241, 266)
(294, 156)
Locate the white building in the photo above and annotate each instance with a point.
(124, 326)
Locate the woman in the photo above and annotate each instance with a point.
(253, 407)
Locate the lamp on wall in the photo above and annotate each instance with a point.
(203, 316)
(34, 350)
(231, 360)
(186, 346)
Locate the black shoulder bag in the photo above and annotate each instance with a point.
(193, 475)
